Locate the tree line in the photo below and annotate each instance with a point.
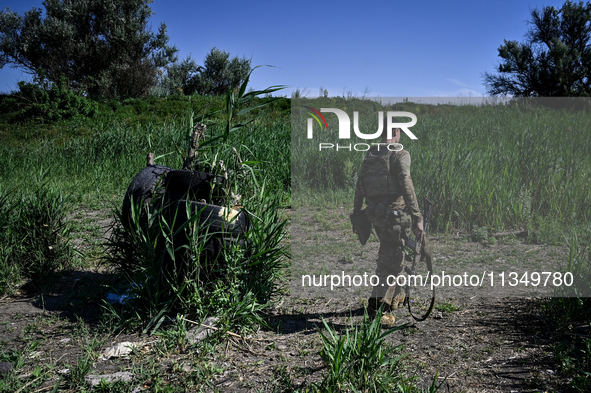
(105, 49)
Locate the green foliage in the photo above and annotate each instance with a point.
(573, 351)
(360, 360)
(494, 166)
(94, 159)
(179, 78)
(165, 256)
(547, 231)
(555, 60)
(35, 235)
(43, 231)
(169, 271)
(9, 272)
(219, 73)
(47, 101)
(75, 378)
(479, 234)
(574, 358)
(104, 48)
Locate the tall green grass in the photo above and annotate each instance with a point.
(35, 233)
(97, 168)
(571, 311)
(497, 166)
(165, 259)
(167, 270)
(94, 161)
(359, 359)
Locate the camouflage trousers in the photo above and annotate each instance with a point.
(391, 255)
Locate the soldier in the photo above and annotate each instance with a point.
(385, 183)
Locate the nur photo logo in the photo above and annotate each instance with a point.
(344, 130)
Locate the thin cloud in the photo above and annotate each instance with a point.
(457, 82)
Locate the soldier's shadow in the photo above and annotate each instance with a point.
(312, 322)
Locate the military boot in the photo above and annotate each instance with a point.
(374, 304)
(394, 298)
(398, 299)
(373, 307)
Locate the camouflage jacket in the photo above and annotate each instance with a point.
(406, 198)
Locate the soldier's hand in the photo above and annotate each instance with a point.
(419, 232)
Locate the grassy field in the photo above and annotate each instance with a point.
(93, 160)
(499, 167)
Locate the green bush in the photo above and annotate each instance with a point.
(47, 101)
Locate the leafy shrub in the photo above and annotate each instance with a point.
(48, 101)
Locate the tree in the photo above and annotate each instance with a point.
(178, 77)
(555, 59)
(219, 73)
(102, 47)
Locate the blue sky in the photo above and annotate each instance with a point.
(389, 48)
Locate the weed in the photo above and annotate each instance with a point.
(573, 352)
(447, 307)
(36, 234)
(92, 346)
(359, 358)
(170, 271)
(75, 378)
(479, 234)
(111, 387)
(174, 337)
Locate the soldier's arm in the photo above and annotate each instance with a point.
(407, 188)
(358, 201)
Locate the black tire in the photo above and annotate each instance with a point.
(194, 185)
(142, 188)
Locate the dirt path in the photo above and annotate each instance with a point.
(488, 345)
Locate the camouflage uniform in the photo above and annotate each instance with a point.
(390, 209)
